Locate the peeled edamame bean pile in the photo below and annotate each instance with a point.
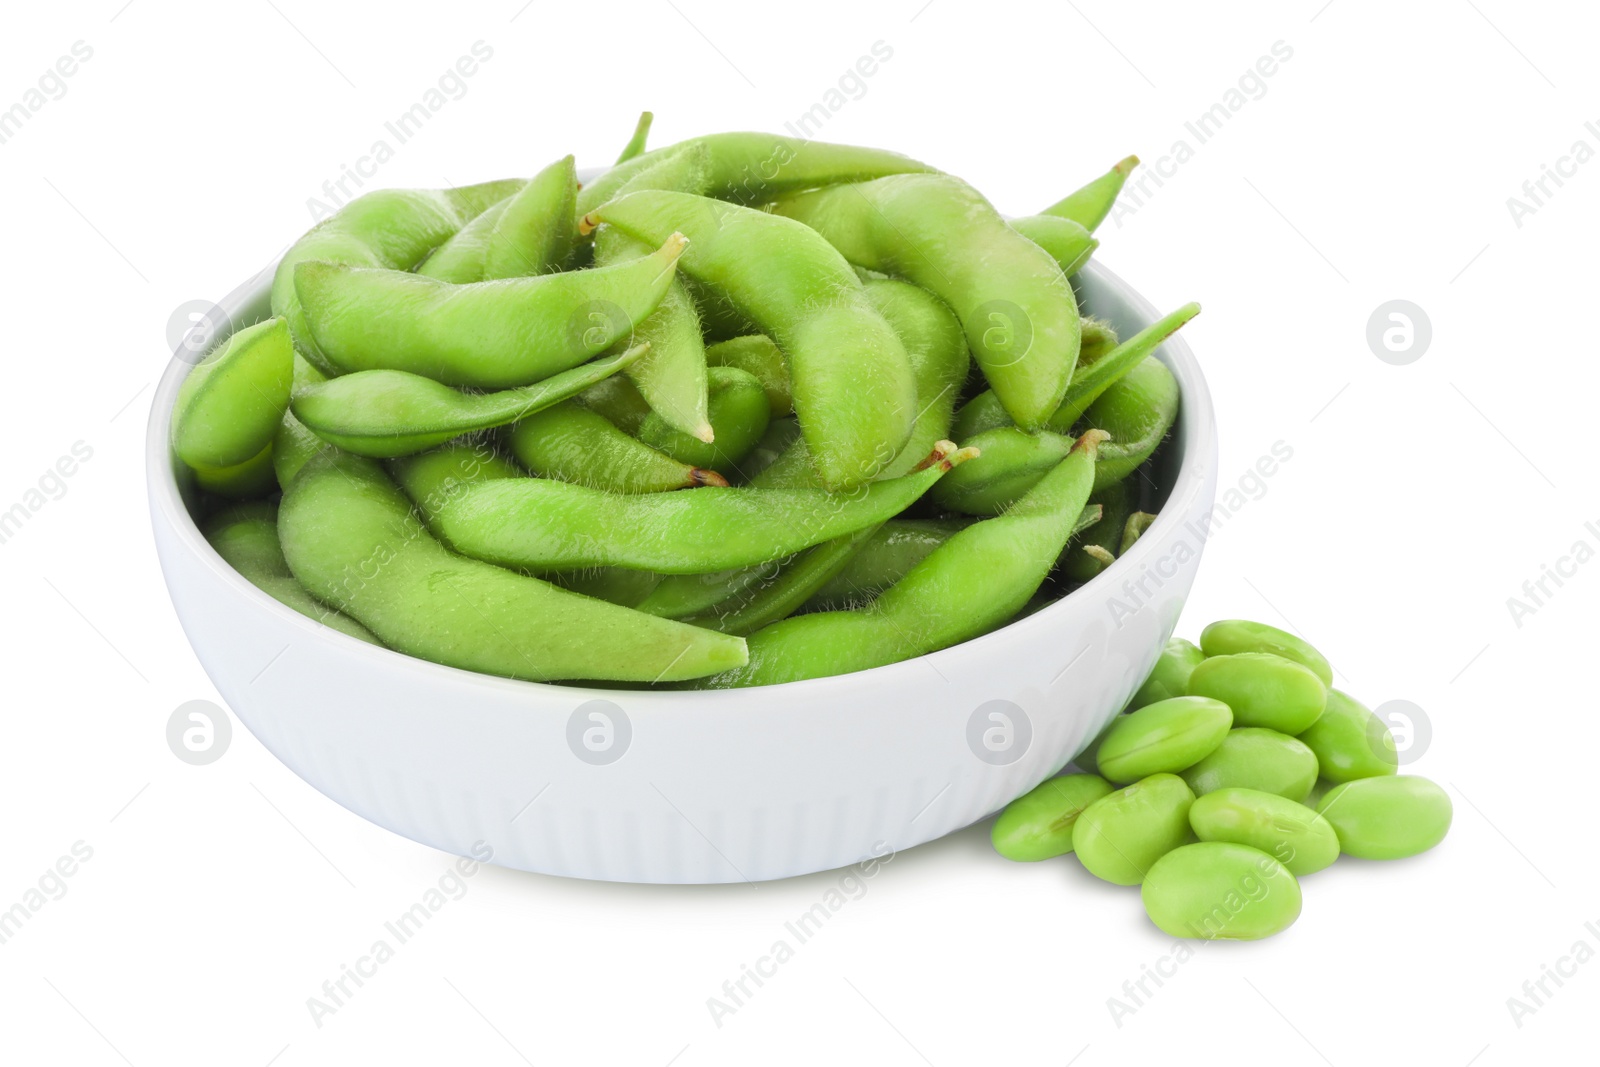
(1235, 770)
(710, 419)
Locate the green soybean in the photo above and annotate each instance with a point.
(1388, 817)
(758, 355)
(391, 228)
(974, 582)
(353, 540)
(738, 416)
(1038, 825)
(1090, 205)
(388, 413)
(246, 537)
(490, 335)
(1120, 836)
(1350, 742)
(1170, 676)
(531, 231)
(1262, 689)
(574, 444)
(1165, 737)
(1221, 891)
(548, 525)
(883, 559)
(796, 580)
(1230, 636)
(1137, 410)
(1254, 758)
(1291, 833)
(230, 404)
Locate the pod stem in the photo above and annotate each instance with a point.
(699, 476)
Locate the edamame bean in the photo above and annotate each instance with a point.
(1262, 689)
(388, 413)
(972, 583)
(229, 406)
(1388, 817)
(491, 335)
(392, 228)
(1019, 312)
(1069, 244)
(1090, 205)
(1101, 362)
(246, 537)
(1038, 825)
(1162, 738)
(751, 168)
(756, 354)
(1291, 833)
(1220, 891)
(1137, 410)
(738, 417)
(1170, 676)
(850, 377)
(1350, 742)
(529, 232)
(618, 400)
(1254, 758)
(571, 443)
(548, 525)
(1230, 636)
(353, 540)
(1120, 836)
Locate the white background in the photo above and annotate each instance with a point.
(1376, 165)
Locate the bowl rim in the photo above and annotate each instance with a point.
(1197, 426)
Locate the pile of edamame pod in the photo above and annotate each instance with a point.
(694, 422)
(1240, 770)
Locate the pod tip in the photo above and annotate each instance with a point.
(1100, 555)
(705, 433)
(1125, 166)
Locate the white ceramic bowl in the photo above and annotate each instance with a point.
(692, 787)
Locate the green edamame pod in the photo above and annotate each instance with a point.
(1098, 338)
(1019, 313)
(756, 354)
(1038, 825)
(1170, 677)
(229, 406)
(937, 351)
(641, 133)
(1134, 529)
(851, 380)
(432, 478)
(1389, 817)
(1120, 836)
(388, 413)
(679, 596)
(574, 444)
(529, 232)
(491, 335)
(1293, 834)
(390, 228)
(1251, 757)
(614, 584)
(751, 168)
(1092, 378)
(1262, 689)
(540, 524)
(769, 601)
(246, 536)
(1094, 550)
(1137, 410)
(1068, 243)
(972, 583)
(738, 417)
(1090, 205)
(293, 446)
(1162, 738)
(1229, 636)
(1220, 891)
(882, 560)
(1010, 461)
(1350, 742)
(353, 540)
